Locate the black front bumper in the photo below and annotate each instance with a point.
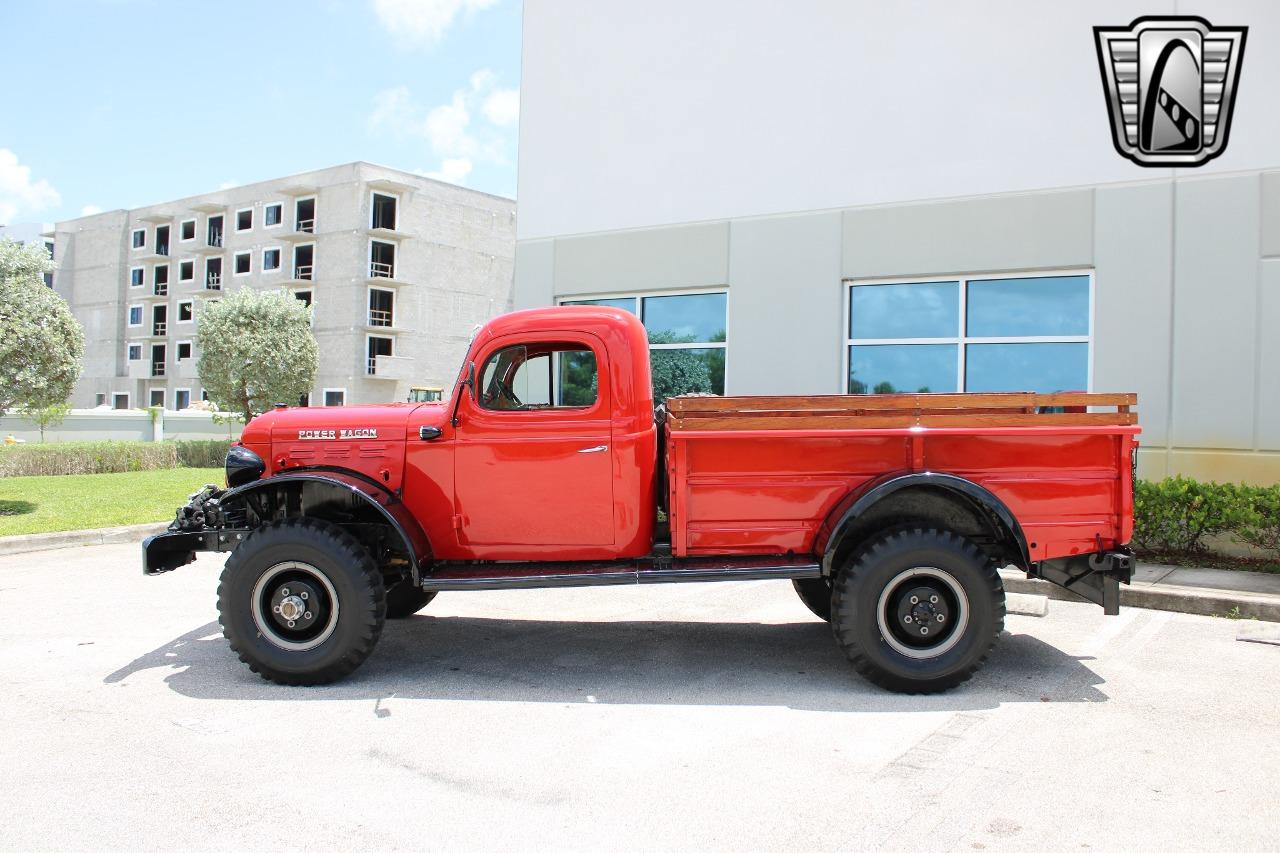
(165, 552)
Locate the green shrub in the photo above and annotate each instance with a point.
(1178, 513)
(108, 457)
(210, 453)
(1261, 525)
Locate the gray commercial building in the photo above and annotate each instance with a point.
(398, 269)
(845, 197)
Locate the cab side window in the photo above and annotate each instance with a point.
(527, 377)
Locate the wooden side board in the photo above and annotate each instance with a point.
(889, 411)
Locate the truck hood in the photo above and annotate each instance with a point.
(382, 422)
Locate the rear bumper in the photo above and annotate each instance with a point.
(1096, 577)
(165, 552)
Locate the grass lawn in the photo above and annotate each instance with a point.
(86, 501)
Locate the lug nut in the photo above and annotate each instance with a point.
(292, 623)
(277, 608)
(933, 599)
(942, 617)
(906, 619)
(924, 629)
(306, 615)
(304, 596)
(915, 599)
(284, 591)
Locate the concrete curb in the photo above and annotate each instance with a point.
(72, 538)
(1179, 599)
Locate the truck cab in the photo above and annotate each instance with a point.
(547, 466)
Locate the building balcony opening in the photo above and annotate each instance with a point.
(382, 260)
(304, 215)
(381, 307)
(214, 236)
(377, 346)
(162, 240)
(384, 211)
(304, 259)
(160, 280)
(213, 274)
(157, 360)
(159, 320)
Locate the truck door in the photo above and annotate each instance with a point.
(533, 452)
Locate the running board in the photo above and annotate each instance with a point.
(458, 576)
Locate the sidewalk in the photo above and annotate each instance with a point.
(1209, 592)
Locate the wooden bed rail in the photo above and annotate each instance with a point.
(888, 411)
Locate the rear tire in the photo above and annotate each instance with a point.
(404, 599)
(918, 610)
(816, 595)
(301, 602)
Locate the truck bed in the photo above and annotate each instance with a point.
(753, 475)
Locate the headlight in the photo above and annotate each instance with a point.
(243, 466)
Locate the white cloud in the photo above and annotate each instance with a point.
(453, 171)
(90, 210)
(423, 22)
(19, 195)
(502, 107)
(473, 126)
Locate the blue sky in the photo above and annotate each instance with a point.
(122, 103)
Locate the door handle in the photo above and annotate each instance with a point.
(427, 433)
(599, 448)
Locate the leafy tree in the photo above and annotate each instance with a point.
(677, 371)
(256, 350)
(41, 343)
(48, 417)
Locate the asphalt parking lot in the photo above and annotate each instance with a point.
(700, 716)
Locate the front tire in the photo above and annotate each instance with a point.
(918, 610)
(301, 602)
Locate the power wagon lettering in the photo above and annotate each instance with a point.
(319, 434)
(546, 466)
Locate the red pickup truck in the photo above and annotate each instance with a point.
(548, 466)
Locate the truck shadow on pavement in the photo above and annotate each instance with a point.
(794, 665)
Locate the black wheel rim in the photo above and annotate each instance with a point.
(922, 612)
(294, 606)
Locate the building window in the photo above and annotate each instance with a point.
(135, 315)
(186, 270)
(204, 394)
(135, 352)
(335, 396)
(384, 211)
(303, 296)
(156, 398)
(120, 400)
(244, 219)
(378, 346)
(243, 263)
(382, 306)
(162, 239)
(139, 238)
(186, 311)
(186, 230)
(1029, 333)
(48, 279)
(687, 338)
(48, 247)
(272, 215)
(304, 260)
(213, 274)
(382, 259)
(270, 259)
(214, 232)
(184, 350)
(136, 277)
(99, 400)
(181, 399)
(304, 215)
(160, 275)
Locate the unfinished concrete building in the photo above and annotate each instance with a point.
(398, 268)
